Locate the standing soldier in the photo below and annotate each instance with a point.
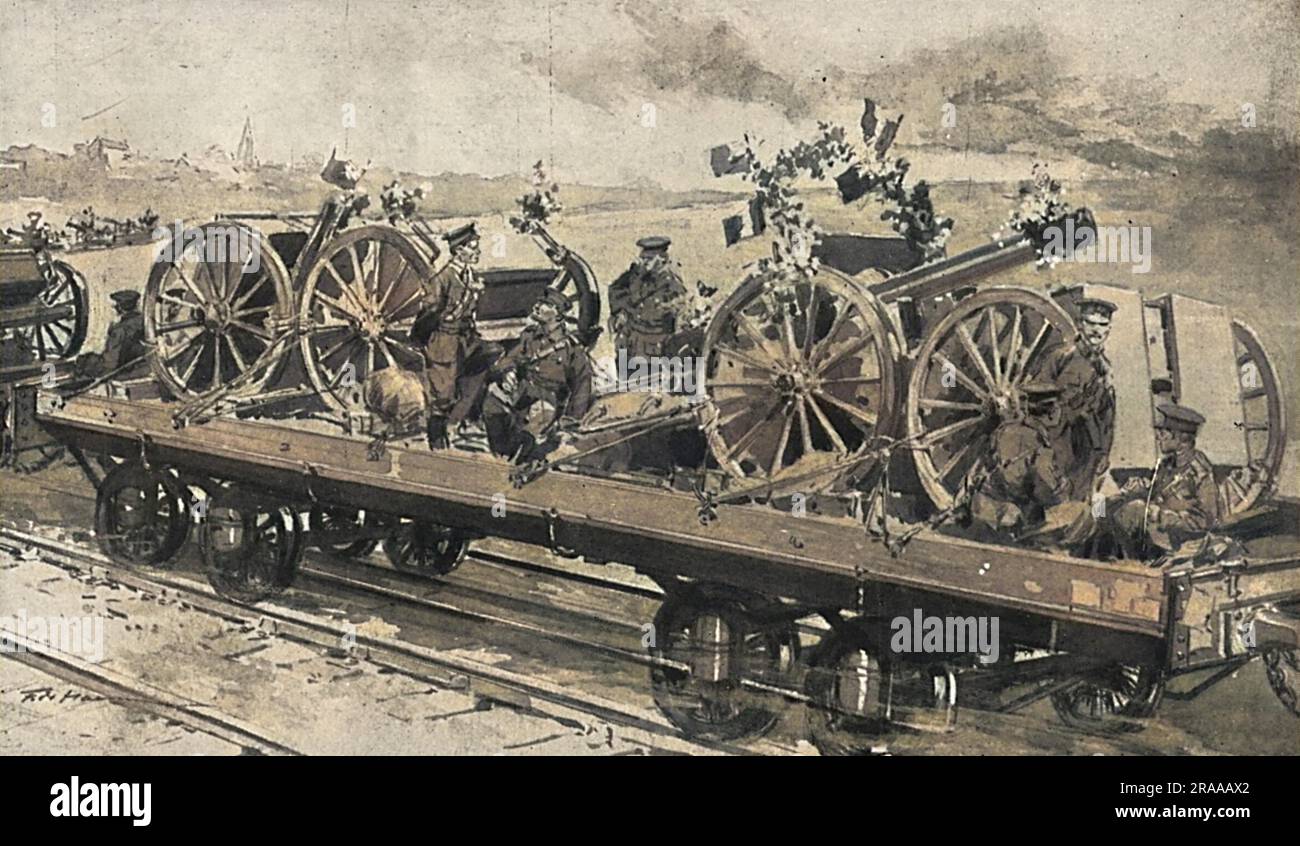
(544, 380)
(1181, 501)
(124, 350)
(645, 301)
(1083, 373)
(456, 358)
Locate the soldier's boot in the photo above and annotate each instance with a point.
(1127, 524)
(1067, 527)
(436, 432)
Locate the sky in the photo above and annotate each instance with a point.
(607, 92)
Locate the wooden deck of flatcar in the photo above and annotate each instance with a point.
(812, 559)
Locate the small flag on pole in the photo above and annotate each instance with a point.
(869, 120)
(738, 227)
(887, 135)
(724, 161)
(851, 185)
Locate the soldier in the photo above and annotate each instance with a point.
(1019, 484)
(456, 358)
(1083, 373)
(1181, 501)
(544, 381)
(124, 350)
(645, 301)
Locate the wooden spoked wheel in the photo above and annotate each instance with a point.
(141, 516)
(213, 310)
(1264, 422)
(799, 374)
(967, 376)
(250, 550)
(428, 549)
(358, 305)
(61, 338)
(345, 531)
(575, 279)
(1100, 700)
(1283, 669)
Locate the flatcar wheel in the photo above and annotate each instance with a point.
(967, 375)
(847, 694)
(856, 695)
(1101, 700)
(250, 550)
(1283, 668)
(213, 310)
(1264, 423)
(62, 338)
(427, 548)
(724, 638)
(357, 309)
(141, 516)
(799, 374)
(334, 528)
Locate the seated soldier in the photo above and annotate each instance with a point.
(1180, 503)
(544, 380)
(124, 354)
(1018, 491)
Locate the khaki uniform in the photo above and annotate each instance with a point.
(1186, 506)
(456, 359)
(648, 302)
(554, 382)
(125, 343)
(1088, 414)
(1019, 481)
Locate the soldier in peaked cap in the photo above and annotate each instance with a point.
(124, 345)
(457, 359)
(1083, 373)
(1179, 503)
(646, 301)
(544, 380)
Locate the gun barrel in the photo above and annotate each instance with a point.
(940, 277)
(264, 215)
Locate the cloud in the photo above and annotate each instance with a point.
(660, 51)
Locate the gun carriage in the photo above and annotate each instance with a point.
(813, 383)
(310, 312)
(44, 302)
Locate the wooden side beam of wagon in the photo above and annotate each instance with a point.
(818, 561)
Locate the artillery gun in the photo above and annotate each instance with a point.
(306, 314)
(811, 384)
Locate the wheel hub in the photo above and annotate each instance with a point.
(798, 382)
(217, 315)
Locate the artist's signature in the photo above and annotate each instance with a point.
(49, 694)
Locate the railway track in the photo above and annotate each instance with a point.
(526, 691)
(121, 689)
